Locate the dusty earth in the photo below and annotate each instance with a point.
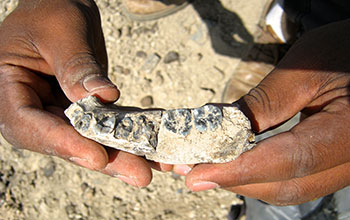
(205, 42)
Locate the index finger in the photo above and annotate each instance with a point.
(27, 125)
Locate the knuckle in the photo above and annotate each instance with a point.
(8, 74)
(83, 12)
(304, 158)
(288, 193)
(78, 67)
(259, 95)
(5, 68)
(258, 101)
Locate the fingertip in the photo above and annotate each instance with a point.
(162, 167)
(107, 95)
(129, 180)
(182, 169)
(97, 158)
(93, 159)
(91, 84)
(195, 175)
(196, 183)
(209, 176)
(83, 162)
(101, 87)
(202, 186)
(143, 175)
(130, 168)
(78, 149)
(166, 167)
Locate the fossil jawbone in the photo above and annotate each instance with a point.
(209, 134)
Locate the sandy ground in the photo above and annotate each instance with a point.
(209, 38)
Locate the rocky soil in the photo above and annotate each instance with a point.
(183, 60)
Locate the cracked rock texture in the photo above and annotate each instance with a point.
(209, 37)
(209, 134)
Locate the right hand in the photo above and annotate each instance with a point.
(313, 158)
(52, 53)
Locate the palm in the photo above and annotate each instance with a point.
(51, 52)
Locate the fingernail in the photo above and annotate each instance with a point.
(95, 82)
(202, 186)
(81, 162)
(182, 169)
(128, 180)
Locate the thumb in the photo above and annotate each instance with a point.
(309, 75)
(269, 104)
(75, 52)
(284, 92)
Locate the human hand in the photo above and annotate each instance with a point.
(312, 159)
(49, 51)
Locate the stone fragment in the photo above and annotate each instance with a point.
(172, 56)
(122, 70)
(150, 63)
(147, 101)
(209, 134)
(141, 54)
(49, 168)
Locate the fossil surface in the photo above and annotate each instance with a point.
(208, 134)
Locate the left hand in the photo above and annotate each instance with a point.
(52, 53)
(312, 159)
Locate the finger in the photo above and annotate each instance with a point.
(67, 41)
(58, 112)
(307, 74)
(300, 190)
(39, 131)
(129, 168)
(268, 104)
(308, 148)
(182, 169)
(162, 167)
(78, 56)
(26, 125)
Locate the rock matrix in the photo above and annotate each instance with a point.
(208, 134)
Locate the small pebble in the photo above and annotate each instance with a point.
(118, 69)
(199, 56)
(2, 198)
(49, 169)
(147, 101)
(179, 191)
(126, 71)
(159, 78)
(122, 70)
(141, 54)
(175, 176)
(172, 56)
(151, 63)
(70, 209)
(2, 187)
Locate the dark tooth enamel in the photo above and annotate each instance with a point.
(84, 122)
(178, 121)
(124, 128)
(105, 123)
(207, 116)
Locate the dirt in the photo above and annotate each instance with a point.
(183, 60)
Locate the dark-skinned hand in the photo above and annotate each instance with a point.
(52, 53)
(313, 158)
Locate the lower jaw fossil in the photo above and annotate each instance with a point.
(209, 134)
